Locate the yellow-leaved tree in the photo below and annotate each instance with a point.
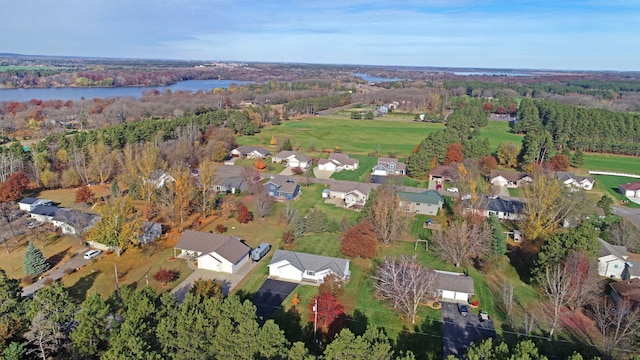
(119, 225)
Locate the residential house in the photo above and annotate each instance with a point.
(292, 159)
(504, 209)
(427, 202)
(29, 203)
(389, 166)
(612, 260)
(577, 181)
(230, 185)
(214, 252)
(150, 232)
(510, 179)
(453, 286)
(250, 152)
(626, 290)
(282, 187)
(630, 189)
(354, 194)
(159, 178)
(443, 173)
(338, 162)
(44, 213)
(297, 266)
(71, 221)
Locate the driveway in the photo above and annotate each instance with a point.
(75, 262)
(322, 174)
(631, 214)
(230, 281)
(458, 331)
(270, 296)
(287, 171)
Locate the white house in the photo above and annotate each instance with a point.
(453, 286)
(504, 209)
(296, 266)
(71, 221)
(630, 189)
(354, 194)
(214, 252)
(510, 179)
(159, 178)
(250, 152)
(29, 203)
(292, 159)
(338, 162)
(44, 213)
(612, 260)
(571, 179)
(389, 166)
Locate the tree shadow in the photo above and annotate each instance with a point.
(55, 259)
(290, 323)
(357, 322)
(522, 258)
(79, 290)
(425, 340)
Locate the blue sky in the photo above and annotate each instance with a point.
(573, 35)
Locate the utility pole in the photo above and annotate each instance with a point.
(315, 320)
(115, 265)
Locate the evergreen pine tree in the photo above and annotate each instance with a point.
(498, 244)
(115, 189)
(34, 261)
(578, 158)
(286, 145)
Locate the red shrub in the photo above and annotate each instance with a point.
(244, 216)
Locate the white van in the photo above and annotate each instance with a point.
(91, 254)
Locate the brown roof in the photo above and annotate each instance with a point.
(634, 186)
(509, 175)
(349, 186)
(228, 247)
(342, 158)
(443, 170)
(628, 289)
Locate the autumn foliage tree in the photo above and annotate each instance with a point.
(454, 154)
(260, 164)
(560, 162)
(244, 216)
(12, 189)
(84, 195)
(165, 276)
(327, 307)
(487, 163)
(360, 241)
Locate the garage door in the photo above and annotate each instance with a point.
(462, 296)
(446, 294)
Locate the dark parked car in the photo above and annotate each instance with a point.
(463, 309)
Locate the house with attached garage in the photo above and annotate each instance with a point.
(44, 213)
(292, 159)
(453, 286)
(230, 185)
(250, 152)
(612, 260)
(353, 194)
(282, 188)
(509, 179)
(576, 181)
(630, 189)
(427, 202)
(389, 167)
(297, 266)
(502, 208)
(338, 162)
(72, 222)
(29, 203)
(214, 252)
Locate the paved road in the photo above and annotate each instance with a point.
(270, 296)
(75, 262)
(631, 214)
(458, 331)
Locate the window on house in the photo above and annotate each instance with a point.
(310, 273)
(616, 266)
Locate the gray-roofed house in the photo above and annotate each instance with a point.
(44, 213)
(73, 222)
(427, 202)
(389, 166)
(159, 177)
(214, 252)
(577, 181)
(453, 286)
(250, 152)
(230, 185)
(612, 260)
(292, 159)
(510, 179)
(338, 162)
(150, 232)
(297, 266)
(29, 203)
(504, 209)
(282, 188)
(354, 194)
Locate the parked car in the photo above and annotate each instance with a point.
(259, 252)
(453, 189)
(91, 254)
(463, 309)
(483, 316)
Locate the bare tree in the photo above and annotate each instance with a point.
(205, 186)
(584, 278)
(556, 284)
(101, 162)
(405, 283)
(462, 241)
(617, 321)
(385, 212)
(80, 163)
(507, 296)
(625, 233)
(264, 203)
(251, 177)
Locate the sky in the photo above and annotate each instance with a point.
(497, 34)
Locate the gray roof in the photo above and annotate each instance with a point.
(285, 184)
(244, 150)
(302, 261)
(234, 182)
(564, 176)
(349, 186)
(509, 175)
(609, 249)
(385, 161)
(427, 197)
(342, 158)
(454, 282)
(499, 204)
(285, 154)
(229, 247)
(72, 217)
(29, 200)
(45, 210)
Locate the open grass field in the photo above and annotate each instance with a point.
(67, 197)
(614, 163)
(4, 68)
(607, 184)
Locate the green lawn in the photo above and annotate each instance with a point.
(614, 163)
(609, 185)
(498, 132)
(363, 171)
(312, 198)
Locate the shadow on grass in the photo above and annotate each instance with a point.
(425, 341)
(78, 291)
(522, 260)
(56, 258)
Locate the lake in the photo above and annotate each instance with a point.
(75, 93)
(370, 79)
